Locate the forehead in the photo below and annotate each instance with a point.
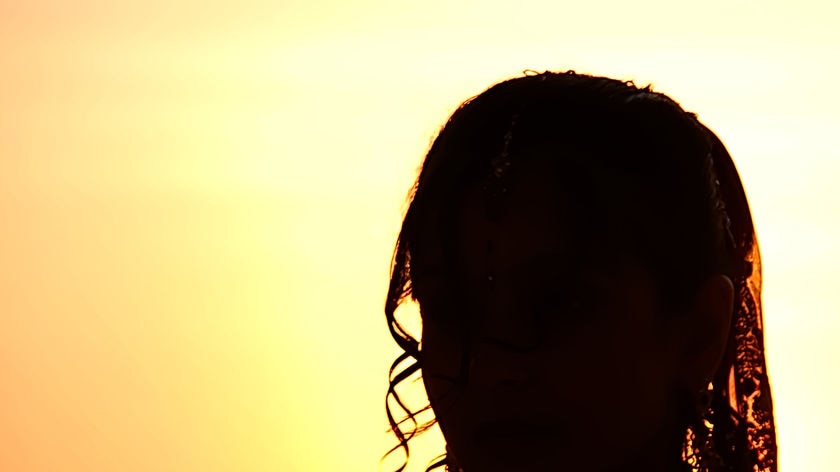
(536, 221)
(529, 222)
(562, 205)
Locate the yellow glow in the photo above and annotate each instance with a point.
(198, 205)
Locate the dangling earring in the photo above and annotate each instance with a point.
(702, 404)
(711, 460)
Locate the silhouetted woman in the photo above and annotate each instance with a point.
(588, 277)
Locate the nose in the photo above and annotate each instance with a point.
(496, 365)
(507, 322)
(506, 345)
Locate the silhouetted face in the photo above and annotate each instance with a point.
(569, 367)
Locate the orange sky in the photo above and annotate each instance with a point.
(198, 204)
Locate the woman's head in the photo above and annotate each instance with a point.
(586, 269)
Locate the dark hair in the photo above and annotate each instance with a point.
(691, 219)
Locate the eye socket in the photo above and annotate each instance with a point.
(438, 299)
(560, 303)
(569, 302)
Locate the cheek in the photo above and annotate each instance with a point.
(442, 364)
(642, 375)
(442, 369)
(618, 382)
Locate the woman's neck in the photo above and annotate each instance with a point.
(662, 454)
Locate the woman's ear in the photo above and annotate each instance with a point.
(704, 331)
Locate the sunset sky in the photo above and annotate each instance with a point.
(199, 201)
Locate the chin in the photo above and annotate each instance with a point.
(524, 460)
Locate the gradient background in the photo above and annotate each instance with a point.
(199, 200)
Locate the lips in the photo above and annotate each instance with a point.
(517, 430)
(515, 445)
